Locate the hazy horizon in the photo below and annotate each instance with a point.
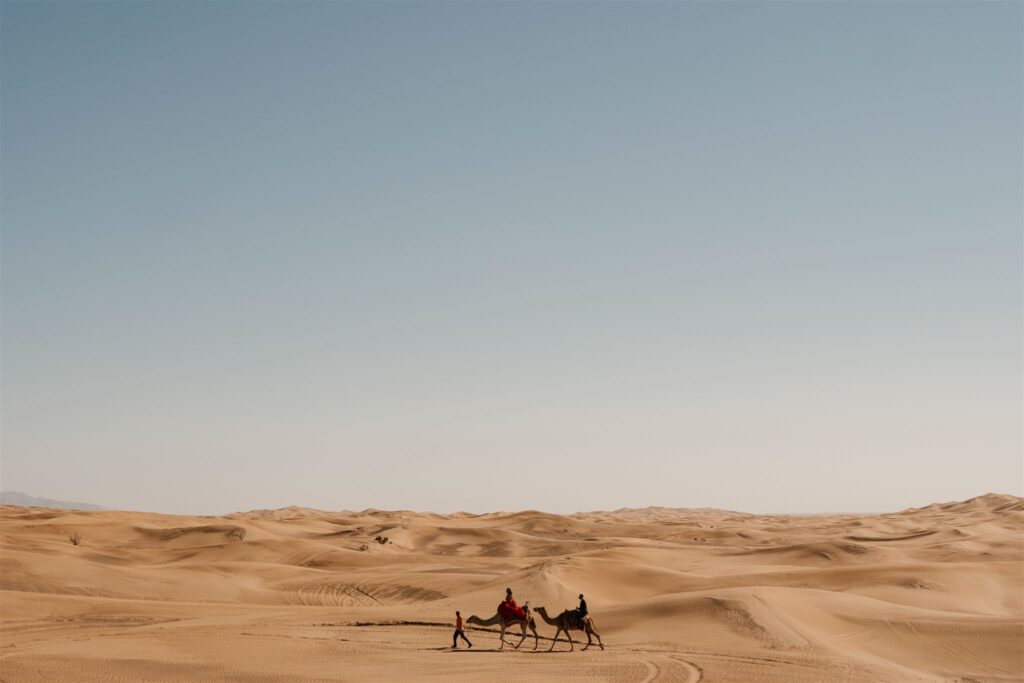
(30, 500)
(475, 256)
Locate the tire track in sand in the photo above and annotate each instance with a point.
(669, 669)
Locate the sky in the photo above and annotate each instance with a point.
(499, 256)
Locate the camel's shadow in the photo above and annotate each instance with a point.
(528, 652)
(467, 650)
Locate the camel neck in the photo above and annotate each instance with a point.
(548, 620)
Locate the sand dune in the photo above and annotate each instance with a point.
(927, 594)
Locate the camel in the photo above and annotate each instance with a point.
(505, 623)
(566, 621)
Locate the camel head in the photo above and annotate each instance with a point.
(540, 610)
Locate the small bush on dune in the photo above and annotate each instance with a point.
(75, 538)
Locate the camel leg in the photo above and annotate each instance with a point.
(521, 638)
(568, 636)
(536, 638)
(502, 637)
(591, 629)
(555, 639)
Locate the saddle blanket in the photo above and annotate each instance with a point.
(510, 611)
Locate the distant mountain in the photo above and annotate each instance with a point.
(19, 498)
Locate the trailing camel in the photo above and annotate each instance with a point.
(568, 621)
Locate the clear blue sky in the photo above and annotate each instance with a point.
(763, 256)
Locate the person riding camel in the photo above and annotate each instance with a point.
(582, 614)
(508, 607)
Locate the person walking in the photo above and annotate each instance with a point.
(459, 632)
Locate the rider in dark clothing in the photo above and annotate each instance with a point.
(581, 611)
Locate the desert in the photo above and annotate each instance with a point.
(532, 340)
(925, 594)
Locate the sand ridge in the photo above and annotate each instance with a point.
(930, 594)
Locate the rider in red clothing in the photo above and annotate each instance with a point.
(508, 607)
